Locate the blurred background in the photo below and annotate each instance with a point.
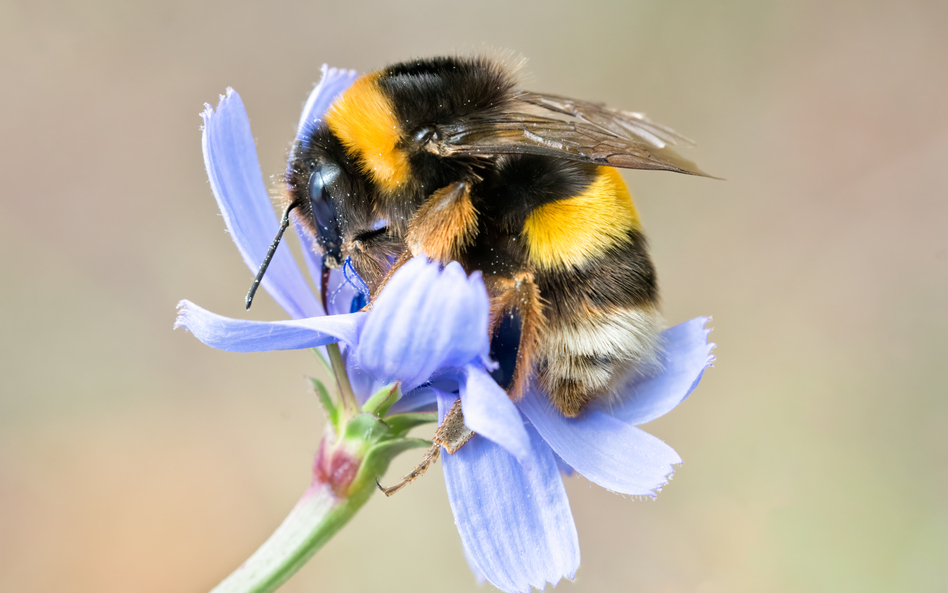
(133, 458)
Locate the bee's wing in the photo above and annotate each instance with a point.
(600, 135)
(615, 121)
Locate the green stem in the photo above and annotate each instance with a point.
(313, 521)
(345, 475)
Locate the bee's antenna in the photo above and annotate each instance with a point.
(266, 261)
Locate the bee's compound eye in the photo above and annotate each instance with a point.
(322, 182)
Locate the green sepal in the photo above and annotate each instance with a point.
(363, 432)
(402, 423)
(383, 399)
(323, 394)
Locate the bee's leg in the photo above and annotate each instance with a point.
(451, 435)
(520, 296)
(431, 455)
(445, 225)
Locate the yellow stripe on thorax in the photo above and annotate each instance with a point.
(570, 232)
(363, 119)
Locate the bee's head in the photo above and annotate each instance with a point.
(318, 187)
(315, 183)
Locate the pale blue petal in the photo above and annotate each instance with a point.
(516, 526)
(332, 83)
(234, 172)
(686, 354)
(425, 319)
(479, 577)
(239, 335)
(606, 450)
(565, 468)
(489, 412)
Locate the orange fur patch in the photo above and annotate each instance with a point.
(570, 232)
(363, 119)
(445, 225)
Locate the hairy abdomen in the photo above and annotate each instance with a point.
(598, 289)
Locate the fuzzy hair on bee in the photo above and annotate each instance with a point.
(448, 157)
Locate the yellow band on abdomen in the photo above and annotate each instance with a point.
(571, 232)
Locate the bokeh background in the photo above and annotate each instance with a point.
(133, 458)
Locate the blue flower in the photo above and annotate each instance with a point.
(428, 329)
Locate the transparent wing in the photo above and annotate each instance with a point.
(524, 133)
(615, 121)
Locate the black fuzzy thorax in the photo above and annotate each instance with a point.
(443, 92)
(438, 91)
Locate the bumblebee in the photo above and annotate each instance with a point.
(448, 157)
